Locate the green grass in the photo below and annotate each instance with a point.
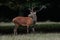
(37, 36)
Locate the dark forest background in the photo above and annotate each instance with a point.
(12, 8)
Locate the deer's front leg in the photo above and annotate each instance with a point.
(27, 29)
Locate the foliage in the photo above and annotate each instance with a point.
(17, 3)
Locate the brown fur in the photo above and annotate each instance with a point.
(24, 21)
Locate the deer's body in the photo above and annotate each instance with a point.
(24, 21)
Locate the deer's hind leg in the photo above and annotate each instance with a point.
(15, 29)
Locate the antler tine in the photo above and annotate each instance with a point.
(32, 9)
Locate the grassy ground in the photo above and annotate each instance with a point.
(37, 36)
(31, 36)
